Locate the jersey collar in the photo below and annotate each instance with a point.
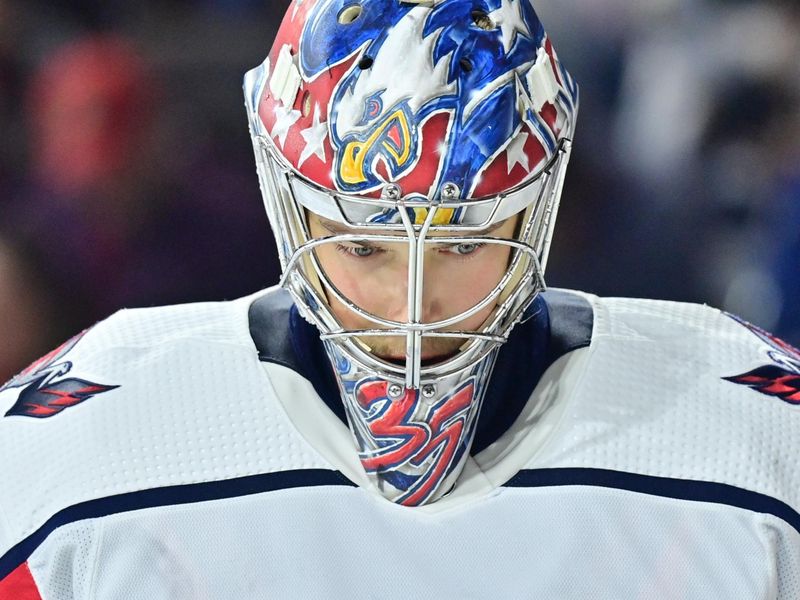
(556, 323)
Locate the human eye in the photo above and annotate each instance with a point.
(357, 250)
(465, 249)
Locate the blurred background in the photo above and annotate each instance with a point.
(127, 176)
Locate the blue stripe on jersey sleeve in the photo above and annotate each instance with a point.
(665, 487)
(681, 489)
(169, 496)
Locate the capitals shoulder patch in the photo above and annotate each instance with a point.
(46, 389)
(780, 377)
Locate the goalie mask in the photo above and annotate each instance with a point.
(403, 135)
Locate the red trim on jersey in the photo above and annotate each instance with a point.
(19, 585)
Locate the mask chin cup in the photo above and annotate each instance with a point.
(412, 443)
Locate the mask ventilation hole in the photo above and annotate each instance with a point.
(482, 20)
(349, 14)
(365, 63)
(466, 64)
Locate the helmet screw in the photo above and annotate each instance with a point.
(450, 191)
(395, 390)
(391, 191)
(429, 391)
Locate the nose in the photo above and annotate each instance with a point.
(401, 313)
(431, 309)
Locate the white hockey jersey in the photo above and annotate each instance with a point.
(185, 453)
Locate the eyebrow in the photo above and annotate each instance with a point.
(337, 229)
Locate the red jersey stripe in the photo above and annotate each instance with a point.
(19, 585)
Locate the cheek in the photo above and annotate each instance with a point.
(351, 283)
(470, 281)
(344, 280)
(345, 316)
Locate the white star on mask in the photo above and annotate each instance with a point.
(515, 153)
(509, 18)
(285, 118)
(315, 138)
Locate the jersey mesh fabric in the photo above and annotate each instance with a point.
(787, 552)
(334, 542)
(653, 401)
(63, 567)
(186, 411)
(5, 531)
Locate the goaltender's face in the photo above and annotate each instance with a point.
(374, 276)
